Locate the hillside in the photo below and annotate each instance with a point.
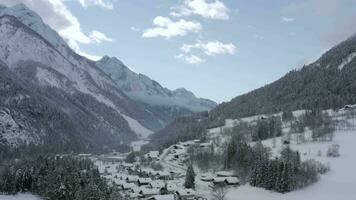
(327, 83)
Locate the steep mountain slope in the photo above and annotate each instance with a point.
(32, 114)
(327, 83)
(161, 101)
(91, 97)
(87, 87)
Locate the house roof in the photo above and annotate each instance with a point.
(162, 197)
(224, 174)
(185, 192)
(148, 191)
(144, 180)
(230, 180)
(132, 178)
(128, 185)
(157, 184)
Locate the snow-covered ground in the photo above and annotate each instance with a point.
(338, 184)
(25, 196)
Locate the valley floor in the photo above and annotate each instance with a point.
(338, 184)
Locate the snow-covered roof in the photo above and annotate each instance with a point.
(229, 180)
(144, 180)
(151, 191)
(185, 192)
(206, 177)
(224, 174)
(128, 186)
(132, 178)
(162, 197)
(157, 184)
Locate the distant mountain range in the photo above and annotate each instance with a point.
(52, 95)
(330, 82)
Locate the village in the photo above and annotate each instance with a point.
(165, 183)
(157, 175)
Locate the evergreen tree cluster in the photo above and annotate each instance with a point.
(267, 128)
(56, 178)
(283, 174)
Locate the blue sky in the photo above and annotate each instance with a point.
(217, 49)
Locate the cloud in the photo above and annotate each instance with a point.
(165, 27)
(99, 37)
(58, 16)
(287, 19)
(211, 48)
(135, 29)
(190, 59)
(258, 36)
(213, 10)
(106, 4)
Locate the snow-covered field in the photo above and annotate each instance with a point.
(338, 184)
(25, 196)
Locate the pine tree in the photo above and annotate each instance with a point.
(190, 177)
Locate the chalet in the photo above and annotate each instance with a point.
(149, 192)
(162, 197)
(132, 179)
(226, 181)
(185, 194)
(143, 181)
(157, 184)
(128, 186)
(163, 175)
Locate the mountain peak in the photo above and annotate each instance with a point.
(32, 20)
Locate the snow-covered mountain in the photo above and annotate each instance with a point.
(49, 93)
(142, 88)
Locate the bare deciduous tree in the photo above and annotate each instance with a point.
(219, 193)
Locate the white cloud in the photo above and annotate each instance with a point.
(135, 29)
(213, 10)
(190, 59)
(165, 27)
(258, 36)
(99, 37)
(56, 14)
(287, 19)
(106, 4)
(211, 48)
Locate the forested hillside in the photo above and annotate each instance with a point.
(327, 83)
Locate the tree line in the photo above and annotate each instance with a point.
(56, 178)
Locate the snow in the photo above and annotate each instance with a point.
(339, 183)
(141, 88)
(24, 196)
(347, 60)
(140, 130)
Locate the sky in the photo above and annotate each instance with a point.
(218, 49)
